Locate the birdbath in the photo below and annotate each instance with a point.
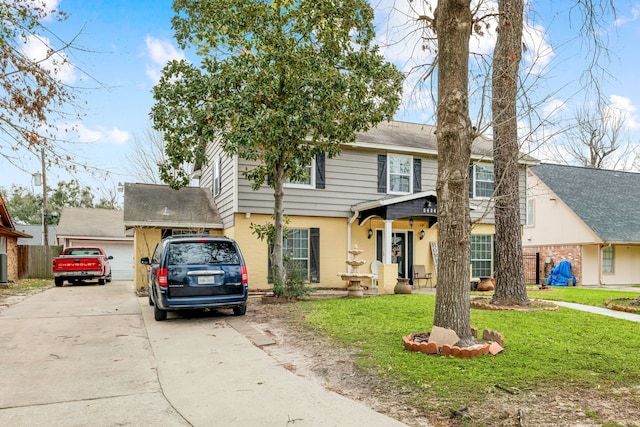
(354, 288)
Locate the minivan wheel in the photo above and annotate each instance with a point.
(158, 314)
(240, 310)
(150, 300)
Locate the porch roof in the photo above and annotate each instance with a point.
(417, 205)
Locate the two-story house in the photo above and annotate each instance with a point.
(378, 194)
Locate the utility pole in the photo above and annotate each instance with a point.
(45, 226)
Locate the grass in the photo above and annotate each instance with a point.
(542, 348)
(594, 297)
(25, 286)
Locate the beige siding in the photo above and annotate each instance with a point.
(554, 222)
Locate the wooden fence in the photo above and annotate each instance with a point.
(34, 262)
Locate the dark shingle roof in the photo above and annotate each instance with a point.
(160, 206)
(415, 136)
(606, 200)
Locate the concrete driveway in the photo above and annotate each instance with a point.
(93, 355)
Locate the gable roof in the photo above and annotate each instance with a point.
(6, 225)
(151, 205)
(606, 200)
(88, 222)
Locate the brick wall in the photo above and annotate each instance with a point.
(12, 259)
(572, 253)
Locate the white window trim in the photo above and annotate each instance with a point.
(613, 260)
(530, 213)
(216, 181)
(312, 180)
(475, 181)
(410, 158)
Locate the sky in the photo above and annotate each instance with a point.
(125, 44)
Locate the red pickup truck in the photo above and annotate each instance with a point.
(77, 263)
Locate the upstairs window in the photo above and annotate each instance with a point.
(217, 177)
(481, 181)
(307, 181)
(399, 174)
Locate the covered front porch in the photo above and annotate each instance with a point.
(404, 230)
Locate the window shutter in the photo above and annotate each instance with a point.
(471, 182)
(382, 173)
(417, 175)
(320, 161)
(314, 258)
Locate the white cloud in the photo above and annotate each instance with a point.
(39, 48)
(553, 108)
(623, 107)
(160, 52)
(634, 15)
(99, 134)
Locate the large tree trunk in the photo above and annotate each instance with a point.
(453, 23)
(510, 286)
(277, 259)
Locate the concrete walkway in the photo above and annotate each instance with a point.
(588, 308)
(93, 355)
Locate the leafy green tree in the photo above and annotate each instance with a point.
(23, 205)
(26, 207)
(278, 83)
(69, 194)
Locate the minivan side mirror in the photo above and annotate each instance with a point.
(145, 260)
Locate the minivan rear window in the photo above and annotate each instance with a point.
(186, 253)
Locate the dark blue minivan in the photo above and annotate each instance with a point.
(189, 272)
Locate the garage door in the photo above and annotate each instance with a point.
(122, 253)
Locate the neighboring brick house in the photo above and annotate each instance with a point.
(9, 243)
(588, 217)
(378, 194)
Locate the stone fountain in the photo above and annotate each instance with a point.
(354, 288)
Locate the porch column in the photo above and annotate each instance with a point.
(386, 241)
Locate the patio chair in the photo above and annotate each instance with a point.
(420, 273)
(374, 273)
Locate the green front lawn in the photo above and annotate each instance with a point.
(542, 348)
(594, 297)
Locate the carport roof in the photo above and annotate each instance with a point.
(151, 205)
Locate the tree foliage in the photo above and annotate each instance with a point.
(279, 82)
(25, 207)
(32, 93)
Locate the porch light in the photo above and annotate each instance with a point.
(422, 233)
(369, 233)
(411, 222)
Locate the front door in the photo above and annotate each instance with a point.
(401, 250)
(399, 253)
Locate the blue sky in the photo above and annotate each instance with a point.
(126, 44)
